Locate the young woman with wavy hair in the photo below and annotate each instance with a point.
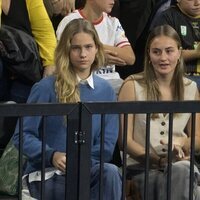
(78, 53)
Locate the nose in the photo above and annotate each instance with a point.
(83, 53)
(196, 2)
(163, 55)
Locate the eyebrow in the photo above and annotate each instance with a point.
(164, 48)
(78, 46)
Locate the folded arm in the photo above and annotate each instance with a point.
(119, 55)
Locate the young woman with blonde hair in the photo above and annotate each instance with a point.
(78, 53)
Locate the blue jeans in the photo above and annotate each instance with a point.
(112, 184)
(55, 186)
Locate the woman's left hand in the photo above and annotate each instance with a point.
(179, 153)
(179, 148)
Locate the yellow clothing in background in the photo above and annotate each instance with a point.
(42, 30)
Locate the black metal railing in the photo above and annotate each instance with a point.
(79, 126)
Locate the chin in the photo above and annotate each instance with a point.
(108, 11)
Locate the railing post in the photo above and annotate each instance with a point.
(72, 155)
(85, 153)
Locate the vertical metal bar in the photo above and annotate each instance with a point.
(102, 157)
(66, 177)
(124, 156)
(147, 145)
(72, 155)
(169, 166)
(192, 152)
(20, 169)
(43, 134)
(85, 154)
(78, 146)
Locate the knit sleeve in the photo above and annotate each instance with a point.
(42, 30)
(111, 131)
(31, 127)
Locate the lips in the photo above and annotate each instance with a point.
(83, 62)
(163, 66)
(196, 10)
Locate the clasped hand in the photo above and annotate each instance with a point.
(179, 150)
(59, 161)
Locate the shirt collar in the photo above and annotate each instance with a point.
(89, 81)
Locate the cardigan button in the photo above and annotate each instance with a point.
(162, 133)
(162, 123)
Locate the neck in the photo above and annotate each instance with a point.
(166, 93)
(165, 88)
(91, 13)
(5, 6)
(164, 81)
(83, 75)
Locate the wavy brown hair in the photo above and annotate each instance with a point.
(66, 84)
(150, 79)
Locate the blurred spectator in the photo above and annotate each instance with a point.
(134, 16)
(184, 17)
(57, 9)
(14, 15)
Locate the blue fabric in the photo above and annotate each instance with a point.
(43, 92)
(112, 186)
(55, 186)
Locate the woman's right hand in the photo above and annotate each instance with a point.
(59, 161)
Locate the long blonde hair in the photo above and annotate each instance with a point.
(150, 80)
(66, 84)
